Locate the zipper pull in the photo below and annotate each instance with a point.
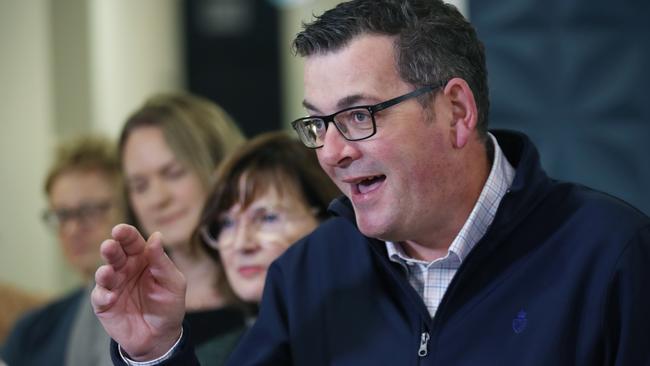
(424, 340)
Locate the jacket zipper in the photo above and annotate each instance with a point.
(423, 349)
(424, 341)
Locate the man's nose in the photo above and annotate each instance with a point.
(336, 150)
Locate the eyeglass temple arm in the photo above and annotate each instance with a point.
(413, 94)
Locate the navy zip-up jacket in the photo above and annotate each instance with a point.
(562, 277)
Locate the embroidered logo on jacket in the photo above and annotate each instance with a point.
(519, 323)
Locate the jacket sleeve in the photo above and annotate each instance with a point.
(627, 323)
(183, 354)
(267, 342)
(17, 342)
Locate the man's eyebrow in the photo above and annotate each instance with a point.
(345, 102)
(310, 107)
(350, 101)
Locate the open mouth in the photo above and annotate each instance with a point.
(369, 184)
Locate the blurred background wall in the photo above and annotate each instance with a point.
(568, 72)
(69, 67)
(573, 75)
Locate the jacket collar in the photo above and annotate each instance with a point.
(530, 184)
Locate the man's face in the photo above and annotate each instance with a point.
(401, 181)
(85, 202)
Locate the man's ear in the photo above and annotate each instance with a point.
(463, 108)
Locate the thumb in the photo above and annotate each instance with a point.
(162, 268)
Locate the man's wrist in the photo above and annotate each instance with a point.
(125, 357)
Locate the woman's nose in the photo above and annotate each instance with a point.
(245, 238)
(159, 195)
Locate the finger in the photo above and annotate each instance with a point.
(162, 268)
(107, 277)
(112, 253)
(129, 238)
(102, 299)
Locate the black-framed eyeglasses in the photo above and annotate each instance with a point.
(354, 123)
(87, 213)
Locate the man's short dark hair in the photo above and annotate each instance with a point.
(434, 42)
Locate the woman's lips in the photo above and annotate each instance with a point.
(250, 271)
(169, 219)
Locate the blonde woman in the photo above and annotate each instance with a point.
(169, 149)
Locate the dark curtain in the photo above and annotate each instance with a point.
(232, 57)
(573, 75)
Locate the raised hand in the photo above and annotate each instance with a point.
(139, 296)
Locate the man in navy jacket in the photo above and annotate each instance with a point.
(451, 247)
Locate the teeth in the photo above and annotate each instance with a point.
(367, 184)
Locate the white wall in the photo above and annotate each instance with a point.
(28, 255)
(68, 67)
(136, 52)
